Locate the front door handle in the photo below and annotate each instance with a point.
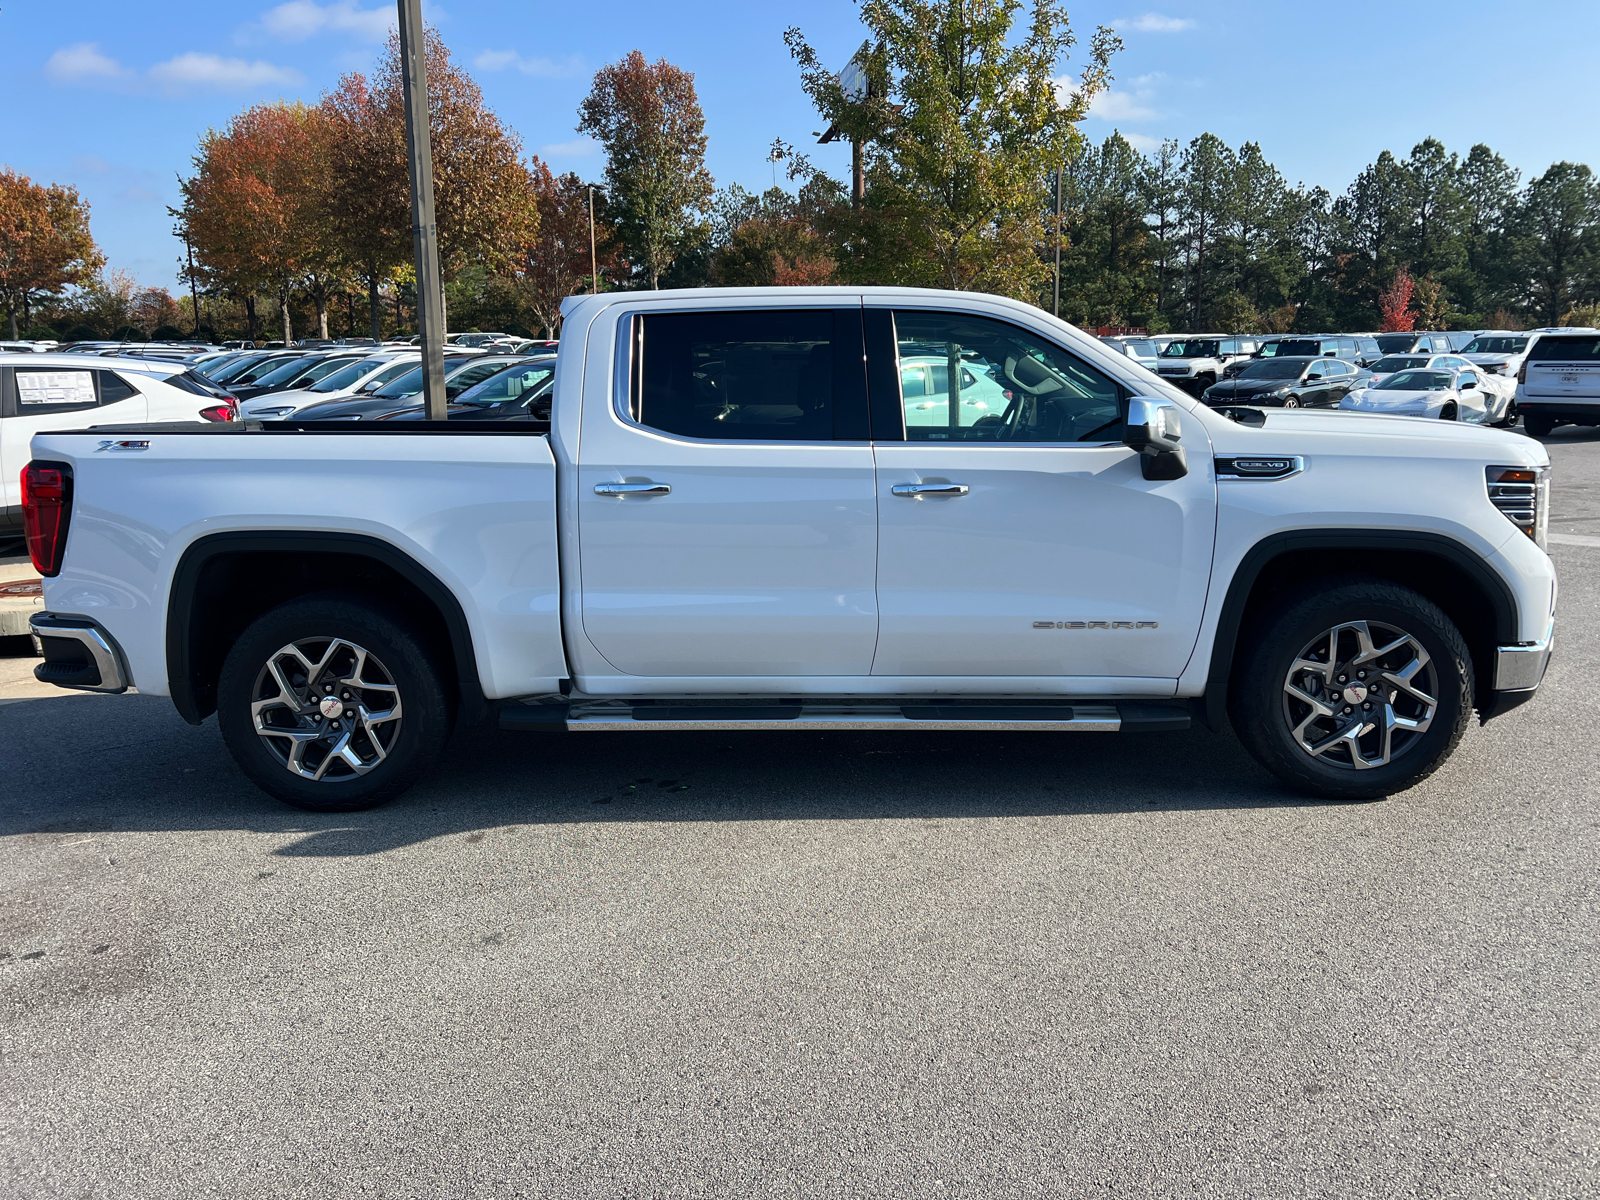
(632, 489)
(918, 490)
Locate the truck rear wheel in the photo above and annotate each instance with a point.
(331, 705)
(1356, 689)
(1538, 424)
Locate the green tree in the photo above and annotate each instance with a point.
(964, 122)
(1558, 224)
(1208, 199)
(648, 118)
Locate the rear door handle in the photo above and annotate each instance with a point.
(632, 489)
(916, 490)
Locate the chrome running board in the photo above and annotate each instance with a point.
(624, 716)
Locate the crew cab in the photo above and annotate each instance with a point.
(740, 516)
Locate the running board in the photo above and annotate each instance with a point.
(1041, 718)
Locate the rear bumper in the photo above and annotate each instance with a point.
(78, 654)
(1588, 410)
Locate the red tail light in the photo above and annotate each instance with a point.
(226, 411)
(1522, 372)
(46, 510)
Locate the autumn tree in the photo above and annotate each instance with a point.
(964, 121)
(648, 118)
(1395, 304)
(556, 263)
(45, 244)
(483, 197)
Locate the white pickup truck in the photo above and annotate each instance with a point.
(743, 514)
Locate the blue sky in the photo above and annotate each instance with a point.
(112, 97)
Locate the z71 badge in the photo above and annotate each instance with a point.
(1096, 624)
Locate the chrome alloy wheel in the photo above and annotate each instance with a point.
(326, 709)
(1359, 695)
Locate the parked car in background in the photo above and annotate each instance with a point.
(1283, 381)
(1436, 392)
(298, 372)
(1195, 363)
(1498, 352)
(405, 391)
(25, 347)
(1559, 380)
(1142, 350)
(520, 392)
(239, 345)
(1415, 343)
(76, 391)
(355, 379)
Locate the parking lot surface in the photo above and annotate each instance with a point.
(784, 964)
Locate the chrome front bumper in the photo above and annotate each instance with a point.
(78, 654)
(1521, 668)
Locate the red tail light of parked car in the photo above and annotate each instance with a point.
(46, 511)
(226, 411)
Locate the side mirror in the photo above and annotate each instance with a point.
(1153, 429)
(1310, 375)
(1468, 382)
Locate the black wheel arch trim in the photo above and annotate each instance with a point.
(1213, 705)
(185, 582)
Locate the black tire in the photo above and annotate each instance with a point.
(1449, 413)
(1538, 424)
(328, 629)
(1264, 712)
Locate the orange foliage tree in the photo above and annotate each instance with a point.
(45, 244)
(1394, 304)
(556, 262)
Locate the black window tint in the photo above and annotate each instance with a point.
(1565, 349)
(1015, 385)
(790, 376)
(114, 387)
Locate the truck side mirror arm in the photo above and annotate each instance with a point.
(1154, 429)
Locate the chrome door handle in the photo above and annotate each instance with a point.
(915, 490)
(632, 489)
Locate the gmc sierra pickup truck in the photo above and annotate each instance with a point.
(820, 509)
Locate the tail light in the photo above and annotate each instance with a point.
(226, 411)
(46, 511)
(1522, 372)
(1523, 495)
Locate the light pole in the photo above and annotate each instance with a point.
(1058, 242)
(424, 233)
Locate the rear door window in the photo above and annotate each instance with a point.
(1565, 349)
(788, 375)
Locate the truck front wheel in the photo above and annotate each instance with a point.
(331, 705)
(1355, 689)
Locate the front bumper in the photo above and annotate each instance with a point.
(1518, 672)
(78, 654)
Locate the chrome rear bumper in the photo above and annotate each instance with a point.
(78, 654)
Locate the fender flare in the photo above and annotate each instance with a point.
(1213, 704)
(185, 581)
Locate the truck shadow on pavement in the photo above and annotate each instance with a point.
(92, 764)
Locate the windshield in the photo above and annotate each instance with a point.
(1301, 347)
(509, 384)
(284, 373)
(1264, 368)
(1398, 362)
(1496, 345)
(1192, 349)
(1418, 381)
(1141, 349)
(1396, 343)
(237, 367)
(408, 384)
(347, 376)
(323, 369)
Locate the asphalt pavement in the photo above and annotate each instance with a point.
(876, 965)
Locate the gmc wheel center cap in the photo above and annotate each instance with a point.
(1355, 693)
(332, 706)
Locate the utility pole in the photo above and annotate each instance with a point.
(424, 233)
(194, 297)
(1058, 242)
(594, 263)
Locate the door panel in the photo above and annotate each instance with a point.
(1053, 534)
(760, 559)
(59, 398)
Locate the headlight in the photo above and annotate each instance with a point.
(1523, 495)
(272, 412)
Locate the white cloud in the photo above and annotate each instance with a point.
(1141, 142)
(570, 67)
(301, 19)
(1154, 23)
(1121, 106)
(197, 70)
(82, 63)
(577, 148)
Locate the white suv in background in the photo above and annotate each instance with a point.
(78, 391)
(1497, 351)
(1559, 380)
(1196, 362)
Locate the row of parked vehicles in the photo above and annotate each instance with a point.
(1478, 377)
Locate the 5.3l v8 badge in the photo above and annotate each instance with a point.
(1096, 624)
